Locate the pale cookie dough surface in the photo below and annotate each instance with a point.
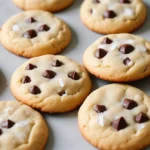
(126, 17)
(21, 127)
(116, 65)
(51, 38)
(48, 5)
(96, 127)
(58, 92)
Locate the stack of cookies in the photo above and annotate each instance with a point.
(56, 84)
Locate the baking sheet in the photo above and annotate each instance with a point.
(63, 128)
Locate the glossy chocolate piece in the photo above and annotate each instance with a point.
(129, 104)
(26, 79)
(100, 53)
(30, 67)
(119, 124)
(109, 14)
(34, 90)
(7, 124)
(126, 49)
(141, 118)
(57, 63)
(74, 75)
(49, 74)
(100, 108)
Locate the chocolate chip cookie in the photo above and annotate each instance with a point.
(119, 58)
(48, 5)
(35, 33)
(113, 16)
(21, 127)
(116, 117)
(51, 83)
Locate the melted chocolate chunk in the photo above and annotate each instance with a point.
(74, 75)
(61, 93)
(34, 90)
(125, 1)
(109, 14)
(26, 79)
(49, 74)
(126, 61)
(107, 41)
(1, 131)
(141, 117)
(43, 27)
(30, 34)
(30, 67)
(57, 63)
(100, 53)
(95, 1)
(129, 104)
(30, 20)
(119, 124)
(100, 108)
(7, 124)
(126, 49)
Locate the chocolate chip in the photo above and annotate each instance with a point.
(30, 34)
(74, 75)
(129, 104)
(26, 79)
(7, 124)
(30, 67)
(95, 1)
(125, 1)
(100, 53)
(126, 61)
(119, 124)
(141, 117)
(109, 14)
(61, 93)
(43, 27)
(34, 90)
(100, 108)
(57, 63)
(30, 20)
(49, 74)
(126, 49)
(1, 131)
(107, 41)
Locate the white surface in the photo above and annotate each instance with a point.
(63, 129)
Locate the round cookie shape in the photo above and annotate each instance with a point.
(55, 83)
(35, 33)
(21, 127)
(115, 114)
(113, 16)
(47, 5)
(118, 58)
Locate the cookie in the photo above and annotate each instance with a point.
(21, 127)
(118, 58)
(113, 16)
(35, 33)
(116, 117)
(51, 83)
(48, 5)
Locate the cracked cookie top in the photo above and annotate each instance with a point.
(21, 127)
(113, 16)
(35, 33)
(114, 114)
(51, 83)
(119, 58)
